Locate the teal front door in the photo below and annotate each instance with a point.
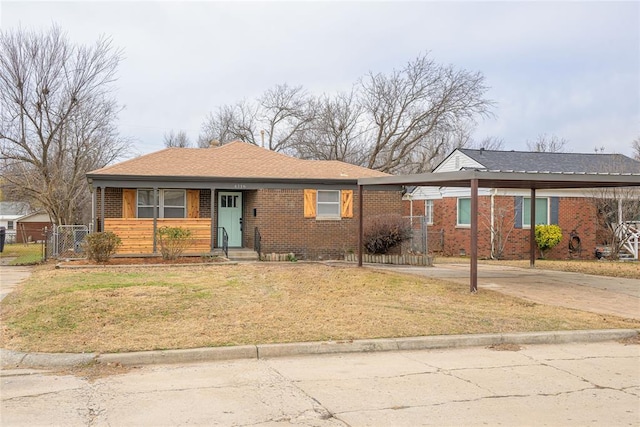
(230, 217)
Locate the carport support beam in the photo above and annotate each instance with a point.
(532, 231)
(360, 225)
(473, 286)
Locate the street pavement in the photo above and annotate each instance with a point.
(559, 385)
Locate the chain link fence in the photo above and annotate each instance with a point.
(65, 241)
(423, 239)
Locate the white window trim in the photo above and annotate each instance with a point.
(336, 216)
(161, 205)
(528, 226)
(458, 225)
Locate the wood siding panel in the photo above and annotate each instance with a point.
(137, 234)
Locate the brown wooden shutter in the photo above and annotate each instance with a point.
(309, 203)
(128, 203)
(193, 203)
(346, 208)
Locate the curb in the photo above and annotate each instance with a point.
(13, 359)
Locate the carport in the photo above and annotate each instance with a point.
(475, 179)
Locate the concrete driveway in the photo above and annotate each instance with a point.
(598, 294)
(10, 277)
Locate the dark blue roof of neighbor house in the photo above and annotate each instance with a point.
(553, 162)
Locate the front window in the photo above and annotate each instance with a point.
(171, 204)
(428, 211)
(542, 211)
(328, 203)
(464, 211)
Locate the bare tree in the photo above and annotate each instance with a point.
(286, 112)
(635, 145)
(176, 139)
(57, 118)
(410, 109)
(336, 131)
(406, 121)
(547, 144)
(230, 123)
(488, 143)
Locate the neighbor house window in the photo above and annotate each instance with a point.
(9, 225)
(171, 204)
(542, 211)
(428, 211)
(328, 203)
(464, 211)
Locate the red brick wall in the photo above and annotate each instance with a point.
(574, 213)
(31, 231)
(280, 219)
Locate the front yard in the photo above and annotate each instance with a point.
(141, 308)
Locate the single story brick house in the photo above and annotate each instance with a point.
(504, 214)
(255, 197)
(32, 227)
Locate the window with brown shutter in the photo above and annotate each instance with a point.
(346, 209)
(193, 203)
(128, 203)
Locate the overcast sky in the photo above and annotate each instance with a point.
(570, 69)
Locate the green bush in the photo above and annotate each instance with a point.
(547, 237)
(384, 232)
(173, 241)
(100, 247)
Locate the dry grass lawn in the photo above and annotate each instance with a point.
(141, 308)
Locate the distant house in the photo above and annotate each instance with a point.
(507, 212)
(32, 227)
(9, 213)
(245, 195)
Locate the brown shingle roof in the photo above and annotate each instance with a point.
(234, 160)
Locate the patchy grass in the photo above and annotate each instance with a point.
(141, 308)
(625, 269)
(24, 254)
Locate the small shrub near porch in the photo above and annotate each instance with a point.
(174, 241)
(100, 247)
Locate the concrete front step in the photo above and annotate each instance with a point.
(240, 254)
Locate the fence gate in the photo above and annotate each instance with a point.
(66, 241)
(423, 240)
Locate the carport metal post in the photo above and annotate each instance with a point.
(532, 231)
(360, 226)
(473, 286)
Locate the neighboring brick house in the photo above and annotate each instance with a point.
(507, 211)
(305, 207)
(33, 227)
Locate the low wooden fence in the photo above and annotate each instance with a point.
(137, 234)
(391, 259)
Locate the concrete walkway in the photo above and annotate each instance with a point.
(597, 294)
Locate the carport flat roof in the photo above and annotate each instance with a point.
(509, 179)
(533, 180)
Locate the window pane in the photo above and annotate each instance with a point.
(542, 206)
(173, 212)
(428, 211)
(328, 209)
(174, 198)
(145, 212)
(328, 196)
(145, 197)
(464, 211)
